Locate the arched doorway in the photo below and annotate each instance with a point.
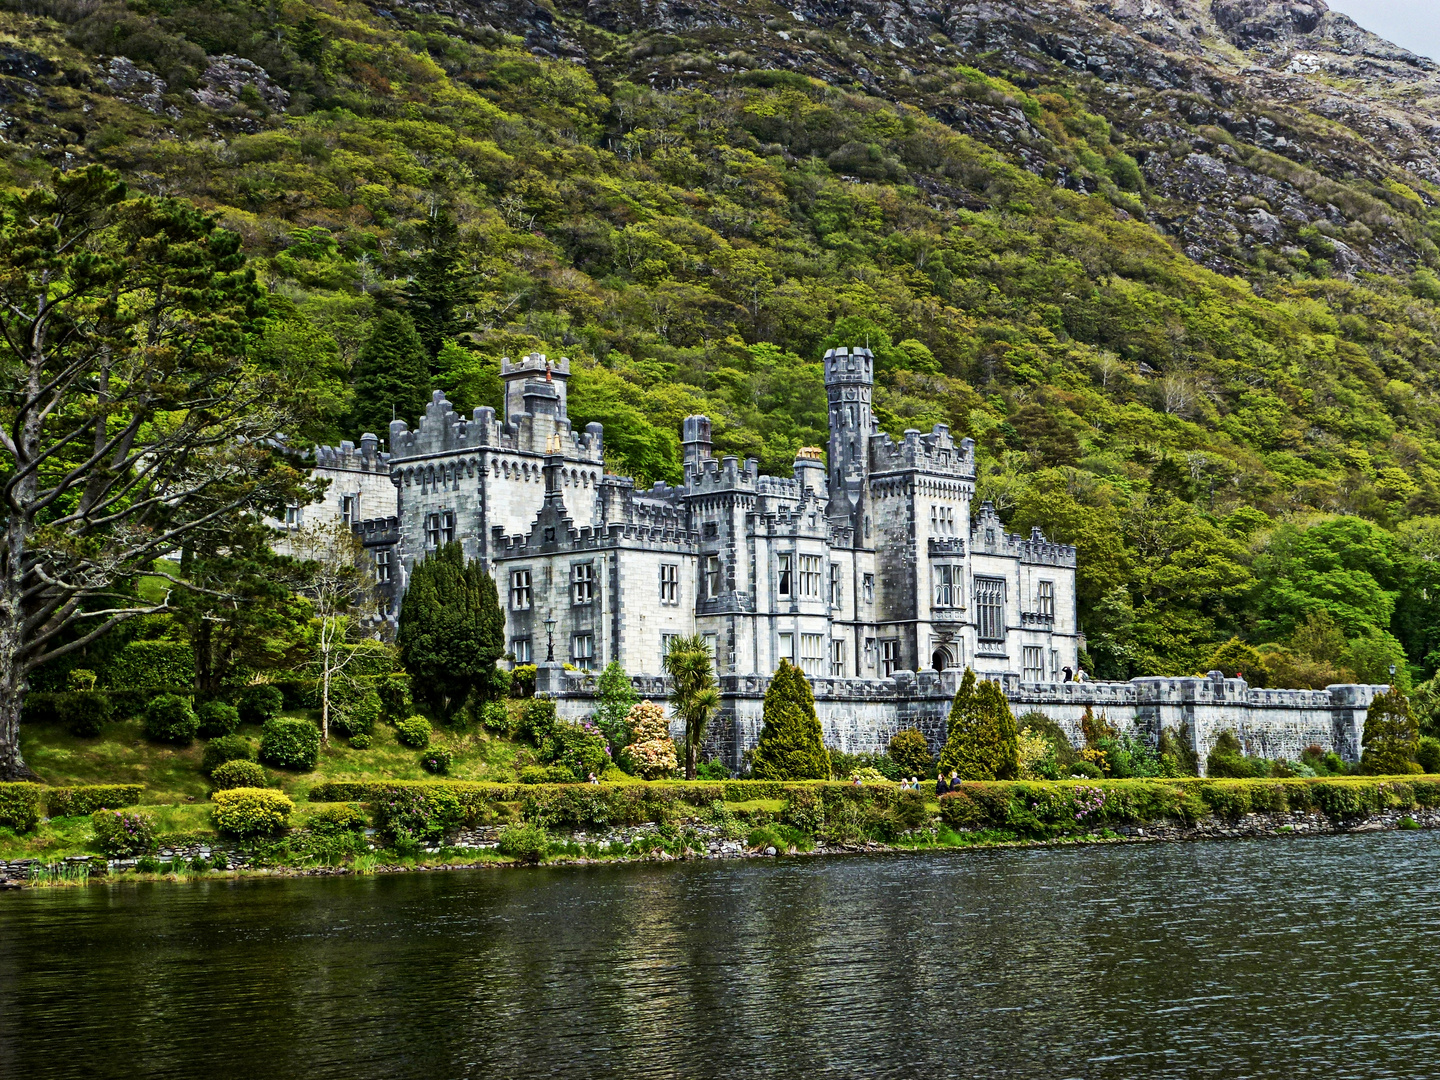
(941, 659)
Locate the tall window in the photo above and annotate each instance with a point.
(1054, 665)
(812, 654)
(519, 590)
(869, 586)
(947, 586)
(1045, 598)
(582, 651)
(582, 583)
(520, 646)
(439, 528)
(786, 578)
(669, 583)
(382, 565)
(349, 505)
(666, 640)
(292, 516)
(712, 575)
(1032, 663)
(712, 646)
(837, 596)
(785, 648)
(810, 576)
(837, 657)
(942, 520)
(990, 608)
(889, 656)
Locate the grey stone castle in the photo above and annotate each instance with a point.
(867, 561)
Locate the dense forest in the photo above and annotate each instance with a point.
(1241, 435)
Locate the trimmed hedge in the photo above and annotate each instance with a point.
(217, 719)
(226, 748)
(238, 773)
(248, 812)
(169, 718)
(84, 712)
(151, 665)
(260, 702)
(20, 806)
(77, 801)
(1074, 807)
(289, 743)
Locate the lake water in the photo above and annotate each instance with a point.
(1287, 958)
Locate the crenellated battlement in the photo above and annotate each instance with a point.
(660, 536)
(853, 365)
(932, 453)
(988, 537)
(444, 431)
(366, 458)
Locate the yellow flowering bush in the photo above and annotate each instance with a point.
(651, 754)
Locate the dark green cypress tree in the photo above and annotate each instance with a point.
(980, 734)
(439, 285)
(1391, 736)
(451, 631)
(791, 746)
(392, 371)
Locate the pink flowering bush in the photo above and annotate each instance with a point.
(122, 834)
(651, 753)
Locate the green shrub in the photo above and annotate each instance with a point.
(151, 665)
(169, 718)
(83, 712)
(791, 744)
(226, 748)
(260, 702)
(238, 773)
(537, 719)
(495, 716)
(803, 810)
(361, 742)
(524, 842)
(337, 820)
(78, 801)
(437, 761)
(712, 770)
(1087, 769)
(123, 835)
(408, 814)
(1227, 759)
(355, 711)
(1391, 736)
(250, 812)
(911, 752)
(290, 744)
(299, 693)
(1338, 800)
(581, 748)
(217, 718)
(395, 700)
(1427, 754)
(413, 732)
(546, 774)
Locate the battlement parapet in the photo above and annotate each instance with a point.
(669, 537)
(852, 365)
(441, 430)
(936, 452)
(348, 457)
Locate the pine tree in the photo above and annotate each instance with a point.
(1391, 736)
(980, 734)
(451, 631)
(791, 746)
(392, 375)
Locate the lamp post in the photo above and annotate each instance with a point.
(1392, 675)
(550, 640)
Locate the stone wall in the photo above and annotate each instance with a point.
(860, 715)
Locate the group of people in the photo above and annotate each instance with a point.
(913, 784)
(944, 785)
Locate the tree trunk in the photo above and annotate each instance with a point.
(689, 753)
(13, 675)
(12, 696)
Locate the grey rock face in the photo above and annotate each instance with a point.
(226, 79)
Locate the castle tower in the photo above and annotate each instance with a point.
(695, 440)
(849, 382)
(537, 383)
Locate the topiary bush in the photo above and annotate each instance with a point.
(226, 748)
(260, 702)
(1427, 754)
(524, 842)
(791, 745)
(413, 732)
(238, 773)
(217, 718)
(122, 834)
(169, 718)
(73, 802)
(250, 812)
(290, 743)
(980, 733)
(911, 752)
(83, 712)
(437, 761)
(20, 806)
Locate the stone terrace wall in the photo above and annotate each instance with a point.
(860, 715)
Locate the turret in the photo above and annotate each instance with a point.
(535, 382)
(810, 471)
(695, 440)
(849, 382)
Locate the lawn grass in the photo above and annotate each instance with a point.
(121, 754)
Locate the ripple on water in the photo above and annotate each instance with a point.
(1291, 958)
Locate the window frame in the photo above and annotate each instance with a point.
(810, 577)
(584, 661)
(837, 658)
(517, 589)
(889, 656)
(785, 575)
(522, 648)
(382, 566)
(1045, 598)
(713, 582)
(670, 583)
(1032, 663)
(582, 583)
(990, 620)
(784, 646)
(812, 654)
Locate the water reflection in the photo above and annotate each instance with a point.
(1288, 958)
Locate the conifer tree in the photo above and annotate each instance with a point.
(392, 372)
(791, 746)
(451, 631)
(980, 734)
(1391, 736)
(616, 696)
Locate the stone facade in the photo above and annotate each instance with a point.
(864, 562)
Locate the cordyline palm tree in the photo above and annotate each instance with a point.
(693, 693)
